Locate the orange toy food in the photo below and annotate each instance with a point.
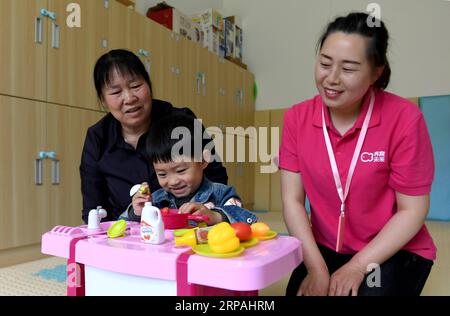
(259, 229)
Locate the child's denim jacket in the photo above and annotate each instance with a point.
(215, 196)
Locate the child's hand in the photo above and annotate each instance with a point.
(140, 197)
(200, 209)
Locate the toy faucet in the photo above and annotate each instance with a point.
(95, 216)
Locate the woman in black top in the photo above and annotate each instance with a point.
(114, 154)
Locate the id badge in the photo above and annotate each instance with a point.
(340, 235)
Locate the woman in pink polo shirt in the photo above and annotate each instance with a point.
(363, 157)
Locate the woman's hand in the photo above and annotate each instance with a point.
(140, 198)
(315, 283)
(346, 280)
(200, 209)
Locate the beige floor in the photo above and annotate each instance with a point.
(19, 280)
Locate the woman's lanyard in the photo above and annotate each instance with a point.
(343, 193)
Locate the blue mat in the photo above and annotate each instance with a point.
(58, 273)
(436, 111)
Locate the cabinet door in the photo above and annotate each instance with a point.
(204, 86)
(176, 82)
(66, 131)
(213, 104)
(73, 51)
(144, 40)
(188, 90)
(23, 213)
(249, 101)
(22, 55)
(117, 25)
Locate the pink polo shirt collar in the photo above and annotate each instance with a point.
(374, 121)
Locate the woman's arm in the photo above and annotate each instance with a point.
(398, 231)
(298, 225)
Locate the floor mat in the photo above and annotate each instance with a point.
(45, 277)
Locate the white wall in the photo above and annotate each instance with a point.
(280, 38)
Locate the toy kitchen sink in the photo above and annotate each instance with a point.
(99, 265)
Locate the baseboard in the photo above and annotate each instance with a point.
(9, 257)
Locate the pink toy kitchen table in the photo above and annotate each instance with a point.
(98, 265)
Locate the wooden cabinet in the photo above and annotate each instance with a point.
(66, 129)
(23, 62)
(73, 51)
(45, 56)
(27, 128)
(22, 132)
(118, 25)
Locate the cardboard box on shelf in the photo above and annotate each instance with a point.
(209, 17)
(229, 34)
(214, 41)
(238, 43)
(175, 20)
(238, 37)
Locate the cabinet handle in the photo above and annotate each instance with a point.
(38, 30)
(177, 71)
(240, 97)
(106, 4)
(38, 171)
(49, 14)
(47, 154)
(204, 84)
(55, 172)
(143, 52)
(198, 79)
(104, 43)
(55, 35)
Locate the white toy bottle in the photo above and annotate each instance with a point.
(152, 226)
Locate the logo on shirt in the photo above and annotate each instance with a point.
(377, 156)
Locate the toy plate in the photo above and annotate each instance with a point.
(117, 229)
(205, 250)
(250, 243)
(270, 234)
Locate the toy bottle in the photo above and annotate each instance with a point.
(152, 226)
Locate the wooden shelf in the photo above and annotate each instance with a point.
(127, 2)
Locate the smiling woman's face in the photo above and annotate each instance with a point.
(343, 73)
(128, 99)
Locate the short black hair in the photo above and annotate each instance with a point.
(123, 61)
(377, 34)
(181, 130)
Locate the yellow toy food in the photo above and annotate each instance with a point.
(259, 229)
(222, 238)
(143, 190)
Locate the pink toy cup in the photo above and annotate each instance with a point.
(174, 220)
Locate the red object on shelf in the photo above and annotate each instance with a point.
(163, 14)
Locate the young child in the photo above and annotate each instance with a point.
(179, 168)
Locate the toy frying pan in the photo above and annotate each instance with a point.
(174, 220)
